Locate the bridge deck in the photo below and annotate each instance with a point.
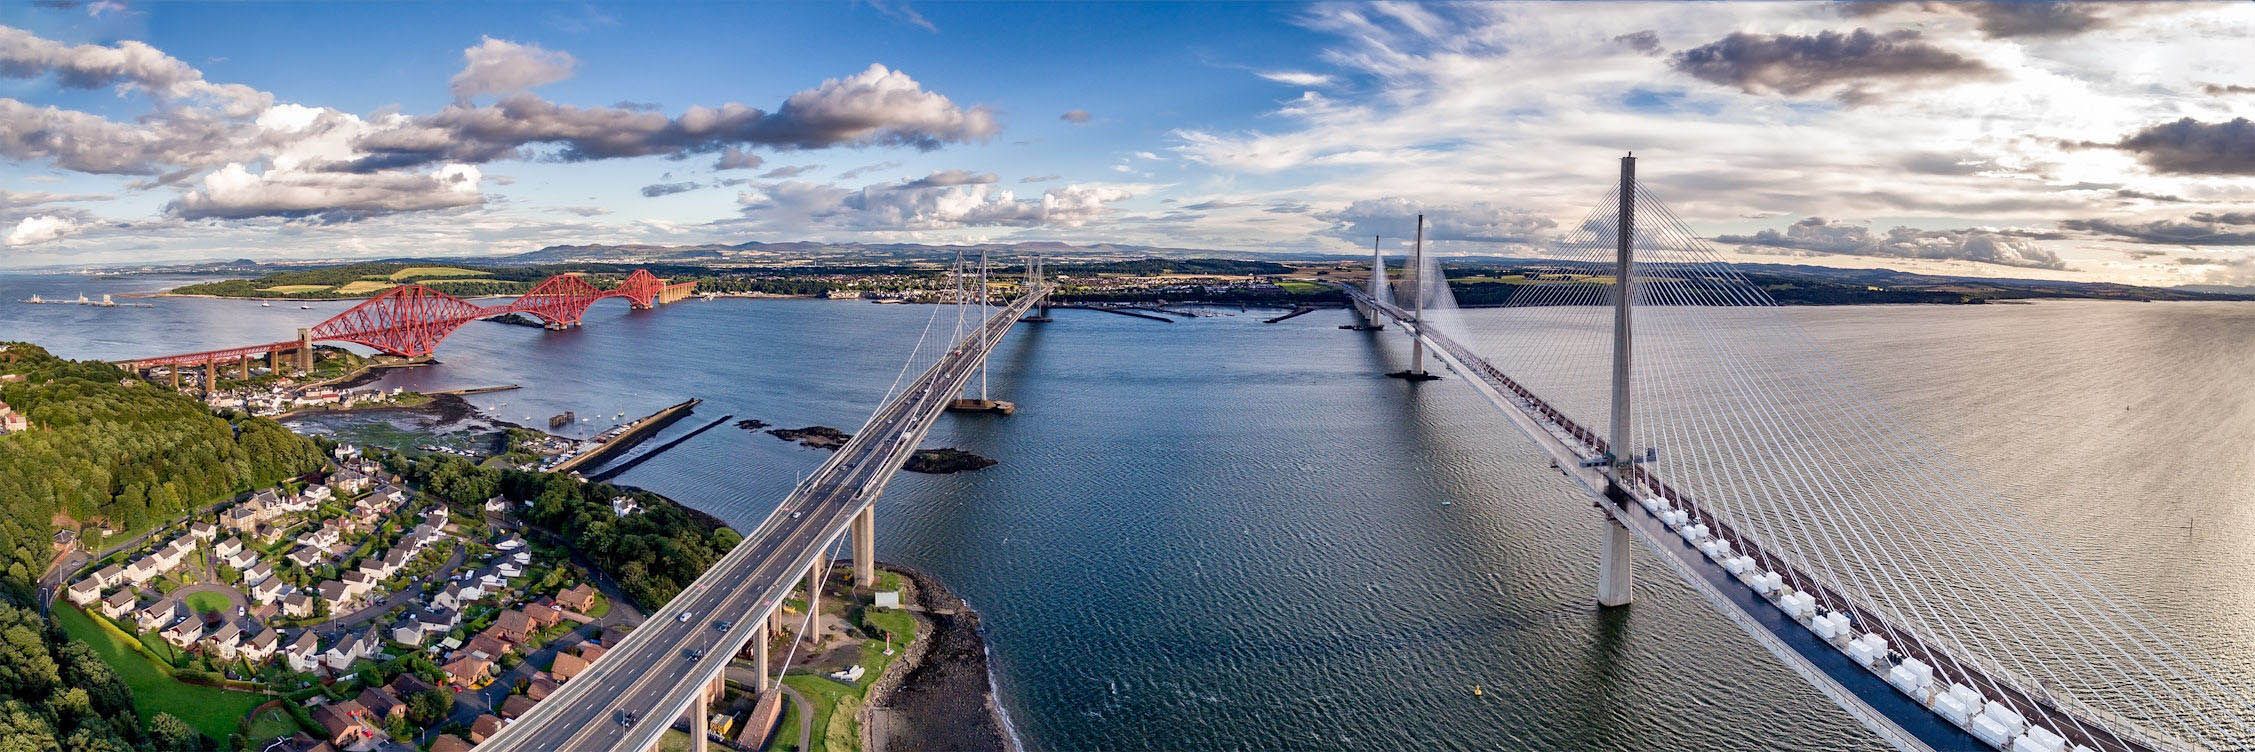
(1816, 658)
(652, 676)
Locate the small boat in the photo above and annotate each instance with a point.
(266, 305)
(304, 307)
(1476, 691)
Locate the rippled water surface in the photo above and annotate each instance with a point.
(1220, 534)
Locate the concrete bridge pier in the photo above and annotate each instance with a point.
(698, 712)
(865, 548)
(1613, 581)
(211, 377)
(245, 364)
(813, 631)
(760, 638)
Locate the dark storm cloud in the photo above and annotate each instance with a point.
(876, 107)
(2223, 89)
(2231, 228)
(1793, 64)
(2010, 18)
(2192, 147)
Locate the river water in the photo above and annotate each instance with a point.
(1220, 534)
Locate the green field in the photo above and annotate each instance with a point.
(208, 602)
(275, 722)
(293, 289)
(1302, 287)
(363, 287)
(429, 272)
(216, 712)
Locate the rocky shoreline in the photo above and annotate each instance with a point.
(940, 461)
(938, 696)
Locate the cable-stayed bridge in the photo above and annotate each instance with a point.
(674, 663)
(1847, 545)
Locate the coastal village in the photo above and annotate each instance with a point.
(361, 606)
(311, 585)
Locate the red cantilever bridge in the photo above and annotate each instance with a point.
(410, 320)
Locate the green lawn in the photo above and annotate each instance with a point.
(275, 722)
(824, 695)
(216, 712)
(208, 602)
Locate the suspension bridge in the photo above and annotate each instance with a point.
(411, 320)
(675, 663)
(1844, 543)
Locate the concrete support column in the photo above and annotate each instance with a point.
(211, 377)
(245, 363)
(698, 712)
(175, 368)
(814, 574)
(1613, 581)
(865, 547)
(760, 639)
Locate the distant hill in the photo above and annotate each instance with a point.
(1799, 284)
(755, 252)
(2220, 289)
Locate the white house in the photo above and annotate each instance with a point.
(185, 633)
(350, 648)
(225, 638)
(260, 646)
(157, 615)
(85, 591)
(118, 605)
(228, 546)
(203, 530)
(108, 576)
(305, 652)
(306, 556)
(298, 604)
(268, 590)
(258, 573)
(241, 560)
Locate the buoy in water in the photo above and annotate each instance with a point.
(1476, 690)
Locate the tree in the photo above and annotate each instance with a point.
(430, 706)
(167, 732)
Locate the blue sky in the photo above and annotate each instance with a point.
(2095, 142)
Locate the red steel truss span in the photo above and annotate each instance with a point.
(411, 320)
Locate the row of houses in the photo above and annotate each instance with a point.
(361, 583)
(469, 665)
(134, 574)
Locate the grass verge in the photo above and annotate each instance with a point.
(213, 711)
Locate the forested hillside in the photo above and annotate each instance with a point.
(106, 446)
